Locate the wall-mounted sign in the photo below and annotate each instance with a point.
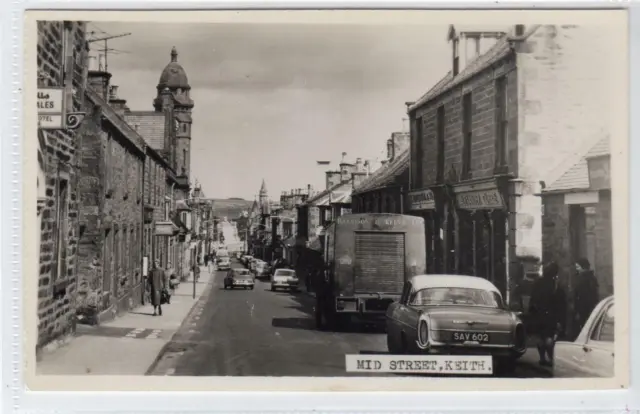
(166, 228)
(481, 200)
(51, 111)
(421, 200)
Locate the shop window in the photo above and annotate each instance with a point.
(61, 230)
(107, 258)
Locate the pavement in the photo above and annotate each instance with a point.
(131, 343)
(263, 333)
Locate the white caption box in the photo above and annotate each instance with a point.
(421, 364)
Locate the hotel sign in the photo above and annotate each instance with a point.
(51, 111)
(481, 200)
(421, 200)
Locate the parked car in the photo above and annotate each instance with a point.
(224, 263)
(457, 315)
(284, 279)
(239, 278)
(592, 352)
(253, 263)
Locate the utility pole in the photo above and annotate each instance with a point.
(106, 48)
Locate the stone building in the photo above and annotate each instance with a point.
(576, 219)
(167, 130)
(111, 191)
(385, 190)
(516, 103)
(59, 43)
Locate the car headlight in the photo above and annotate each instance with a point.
(423, 334)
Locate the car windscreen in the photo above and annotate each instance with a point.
(285, 273)
(456, 296)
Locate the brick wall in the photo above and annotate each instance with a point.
(57, 285)
(563, 97)
(482, 88)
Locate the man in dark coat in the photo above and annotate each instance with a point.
(548, 311)
(157, 284)
(585, 296)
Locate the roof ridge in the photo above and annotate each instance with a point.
(572, 161)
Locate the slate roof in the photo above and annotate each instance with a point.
(576, 177)
(386, 175)
(322, 197)
(150, 125)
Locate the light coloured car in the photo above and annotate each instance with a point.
(224, 263)
(592, 353)
(453, 314)
(284, 279)
(241, 278)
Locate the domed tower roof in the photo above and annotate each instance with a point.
(173, 76)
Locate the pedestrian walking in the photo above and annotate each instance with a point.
(173, 281)
(585, 296)
(157, 285)
(548, 311)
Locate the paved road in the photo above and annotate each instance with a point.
(263, 333)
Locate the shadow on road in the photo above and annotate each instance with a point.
(294, 323)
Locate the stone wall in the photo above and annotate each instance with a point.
(57, 277)
(111, 191)
(482, 88)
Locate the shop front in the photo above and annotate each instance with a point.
(478, 226)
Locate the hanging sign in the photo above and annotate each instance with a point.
(51, 111)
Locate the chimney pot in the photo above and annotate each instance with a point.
(519, 29)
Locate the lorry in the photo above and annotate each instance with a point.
(367, 258)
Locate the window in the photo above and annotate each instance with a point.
(605, 330)
(466, 135)
(185, 162)
(440, 150)
(152, 184)
(454, 296)
(62, 216)
(116, 256)
(184, 127)
(107, 258)
(108, 159)
(502, 123)
(417, 169)
(148, 179)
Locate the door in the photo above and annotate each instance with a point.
(379, 262)
(599, 350)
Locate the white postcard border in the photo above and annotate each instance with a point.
(16, 205)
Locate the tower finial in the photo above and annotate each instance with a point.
(174, 54)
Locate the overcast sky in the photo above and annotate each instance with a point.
(271, 100)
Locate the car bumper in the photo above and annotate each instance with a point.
(243, 285)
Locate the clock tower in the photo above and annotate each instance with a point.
(173, 98)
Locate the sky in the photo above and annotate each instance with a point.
(271, 100)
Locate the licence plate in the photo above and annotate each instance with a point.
(471, 336)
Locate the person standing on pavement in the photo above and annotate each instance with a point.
(585, 296)
(173, 281)
(196, 271)
(157, 284)
(547, 308)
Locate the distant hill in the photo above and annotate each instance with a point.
(230, 207)
(236, 198)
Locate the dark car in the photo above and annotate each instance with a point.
(241, 278)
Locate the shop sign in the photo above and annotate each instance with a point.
(421, 200)
(165, 228)
(599, 173)
(51, 112)
(481, 200)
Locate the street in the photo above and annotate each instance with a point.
(263, 333)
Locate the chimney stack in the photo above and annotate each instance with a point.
(519, 30)
(367, 167)
(99, 79)
(118, 105)
(390, 153)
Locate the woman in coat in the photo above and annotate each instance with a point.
(157, 284)
(548, 309)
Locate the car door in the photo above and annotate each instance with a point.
(411, 316)
(591, 353)
(599, 348)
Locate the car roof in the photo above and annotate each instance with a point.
(434, 281)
